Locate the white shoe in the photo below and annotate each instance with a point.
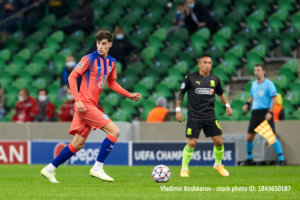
(48, 175)
(101, 175)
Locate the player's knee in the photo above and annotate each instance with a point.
(192, 143)
(116, 132)
(218, 143)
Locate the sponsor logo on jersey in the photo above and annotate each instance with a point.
(105, 116)
(198, 82)
(205, 91)
(261, 93)
(79, 65)
(212, 83)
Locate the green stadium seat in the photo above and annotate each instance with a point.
(215, 53)
(5, 78)
(11, 69)
(287, 44)
(267, 37)
(295, 22)
(11, 100)
(220, 73)
(148, 82)
(282, 14)
(171, 82)
(296, 115)
(148, 105)
(260, 50)
(198, 43)
(293, 97)
(33, 69)
(113, 99)
(65, 52)
(181, 33)
(244, 37)
(227, 67)
(262, 5)
(9, 114)
(163, 91)
(292, 64)
(139, 88)
(156, 43)
(237, 50)
(154, 73)
(12, 45)
(48, 20)
(276, 23)
(253, 23)
(148, 53)
(252, 59)
(11, 90)
(40, 83)
(294, 86)
(242, 6)
(225, 32)
(5, 54)
(121, 115)
(220, 42)
(287, 73)
(286, 5)
(219, 10)
(172, 72)
(288, 108)
(44, 54)
(161, 34)
(127, 83)
(16, 37)
(203, 33)
(219, 107)
(129, 106)
(58, 36)
(182, 67)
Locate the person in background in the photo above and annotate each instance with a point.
(2, 98)
(66, 112)
(26, 107)
(197, 16)
(159, 113)
(81, 18)
(46, 109)
(278, 112)
(179, 21)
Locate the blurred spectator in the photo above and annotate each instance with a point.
(46, 109)
(67, 109)
(122, 49)
(8, 8)
(278, 112)
(2, 98)
(31, 16)
(197, 16)
(26, 107)
(158, 114)
(81, 18)
(179, 19)
(70, 65)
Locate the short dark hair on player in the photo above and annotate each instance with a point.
(103, 34)
(204, 55)
(43, 89)
(260, 65)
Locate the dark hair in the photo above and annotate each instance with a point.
(260, 65)
(42, 90)
(103, 34)
(26, 91)
(204, 55)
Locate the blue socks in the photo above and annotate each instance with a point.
(64, 155)
(278, 149)
(106, 147)
(249, 147)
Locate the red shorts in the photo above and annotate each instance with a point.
(83, 123)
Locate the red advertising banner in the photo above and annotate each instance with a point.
(14, 152)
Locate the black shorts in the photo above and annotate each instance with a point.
(210, 128)
(257, 117)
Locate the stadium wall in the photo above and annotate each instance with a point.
(288, 132)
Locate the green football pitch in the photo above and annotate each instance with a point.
(24, 182)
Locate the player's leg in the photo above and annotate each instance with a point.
(187, 154)
(213, 129)
(193, 128)
(66, 153)
(277, 145)
(107, 145)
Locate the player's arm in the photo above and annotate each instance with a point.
(224, 101)
(248, 104)
(112, 84)
(184, 87)
(270, 112)
(80, 68)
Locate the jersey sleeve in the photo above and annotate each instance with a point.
(113, 74)
(272, 89)
(219, 89)
(82, 66)
(185, 86)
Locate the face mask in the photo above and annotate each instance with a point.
(70, 97)
(42, 97)
(119, 36)
(70, 64)
(21, 98)
(192, 5)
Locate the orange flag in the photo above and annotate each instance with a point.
(265, 130)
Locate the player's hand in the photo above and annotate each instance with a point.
(80, 106)
(135, 96)
(268, 116)
(245, 108)
(229, 111)
(179, 116)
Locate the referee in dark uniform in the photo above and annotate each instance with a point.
(202, 87)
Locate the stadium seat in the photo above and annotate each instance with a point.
(129, 106)
(288, 108)
(148, 82)
(203, 33)
(260, 50)
(121, 115)
(5, 78)
(219, 107)
(228, 67)
(40, 83)
(263, 5)
(181, 33)
(161, 34)
(225, 32)
(113, 99)
(220, 73)
(296, 115)
(156, 43)
(181, 66)
(8, 115)
(11, 100)
(294, 86)
(163, 91)
(171, 82)
(293, 97)
(5, 54)
(287, 73)
(282, 81)
(147, 54)
(292, 64)
(267, 37)
(286, 5)
(11, 69)
(154, 73)
(252, 59)
(295, 21)
(275, 23)
(33, 69)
